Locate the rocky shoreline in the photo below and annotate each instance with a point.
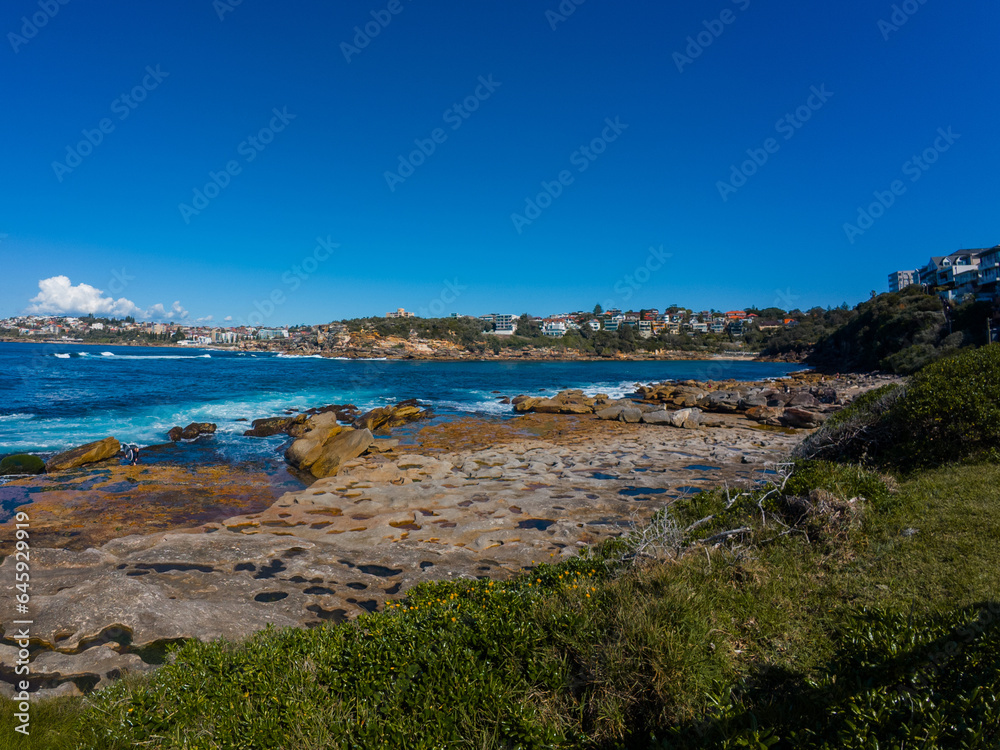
(469, 498)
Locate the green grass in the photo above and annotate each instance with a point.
(54, 725)
(869, 624)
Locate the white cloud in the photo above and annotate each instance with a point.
(58, 296)
(176, 312)
(206, 319)
(228, 318)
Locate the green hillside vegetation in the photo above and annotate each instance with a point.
(901, 333)
(829, 606)
(896, 332)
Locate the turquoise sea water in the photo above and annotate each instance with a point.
(54, 397)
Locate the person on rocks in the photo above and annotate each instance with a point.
(131, 451)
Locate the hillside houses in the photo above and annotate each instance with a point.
(962, 275)
(650, 322)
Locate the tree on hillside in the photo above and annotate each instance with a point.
(900, 332)
(527, 327)
(598, 310)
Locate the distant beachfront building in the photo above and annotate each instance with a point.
(505, 325)
(400, 313)
(220, 336)
(266, 334)
(554, 328)
(902, 279)
(961, 275)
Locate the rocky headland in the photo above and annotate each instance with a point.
(463, 498)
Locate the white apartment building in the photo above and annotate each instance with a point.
(902, 279)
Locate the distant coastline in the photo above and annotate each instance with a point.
(548, 355)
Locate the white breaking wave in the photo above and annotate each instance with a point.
(474, 407)
(300, 356)
(152, 356)
(15, 417)
(61, 356)
(612, 390)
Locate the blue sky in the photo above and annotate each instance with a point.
(309, 227)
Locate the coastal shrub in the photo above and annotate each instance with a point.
(861, 432)
(21, 464)
(949, 411)
(895, 681)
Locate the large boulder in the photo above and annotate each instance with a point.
(687, 418)
(721, 402)
(306, 450)
(769, 415)
(802, 419)
(804, 399)
(190, 432)
(777, 399)
(274, 426)
(611, 412)
(386, 417)
(566, 402)
(751, 400)
(90, 453)
(524, 403)
(555, 406)
(21, 463)
(683, 394)
(631, 414)
(661, 416)
(343, 447)
(344, 412)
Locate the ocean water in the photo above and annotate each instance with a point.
(54, 397)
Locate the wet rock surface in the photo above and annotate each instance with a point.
(192, 431)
